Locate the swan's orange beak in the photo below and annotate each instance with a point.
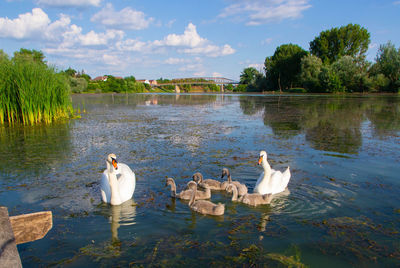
(260, 160)
(114, 163)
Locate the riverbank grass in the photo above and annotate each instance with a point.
(32, 93)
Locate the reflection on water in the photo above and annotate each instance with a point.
(123, 214)
(329, 123)
(344, 191)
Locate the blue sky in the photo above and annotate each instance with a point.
(175, 38)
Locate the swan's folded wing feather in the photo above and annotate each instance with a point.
(126, 182)
(105, 188)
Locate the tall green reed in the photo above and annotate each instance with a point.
(32, 92)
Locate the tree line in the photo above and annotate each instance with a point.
(336, 62)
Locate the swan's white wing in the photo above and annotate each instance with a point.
(126, 182)
(105, 188)
(276, 182)
(286, 177)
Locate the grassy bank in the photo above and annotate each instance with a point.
(32, 92)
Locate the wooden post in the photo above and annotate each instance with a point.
(31, 227)
(9, 256)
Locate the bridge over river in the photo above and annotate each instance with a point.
(221, 81)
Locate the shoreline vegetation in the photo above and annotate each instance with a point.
(33, 92)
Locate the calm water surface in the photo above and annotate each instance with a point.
(343, 207)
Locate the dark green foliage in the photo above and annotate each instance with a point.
(329, 80)
(248, 76)
(309, 72)
(283, 68)
(29, 55)
(229, 87)
(70, 72)
(240, 88)
(331, 45)
(388, 64)
(78, 85)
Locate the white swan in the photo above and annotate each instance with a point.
(117, 182)
(271, 181)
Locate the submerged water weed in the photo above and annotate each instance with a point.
(355, 238)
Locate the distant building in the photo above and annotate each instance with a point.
(104, 78)
(145, 81)
(101, 78)
(153, 82)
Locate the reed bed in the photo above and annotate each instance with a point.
(32, 92)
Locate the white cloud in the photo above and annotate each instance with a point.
(266, 41)
(25, 26)
(69, 3)
(189, 38)
(258, 12)
(132, 45)
(396, 3)
(211, 50)
(174, 61)
(190, 42)
(127, 18)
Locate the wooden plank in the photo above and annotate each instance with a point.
(31, 227)
(9, 256)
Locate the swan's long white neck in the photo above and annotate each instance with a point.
(266, 167)
(112, 180)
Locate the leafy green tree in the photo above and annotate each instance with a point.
(352, 73)
(86, 77)
(331, 45)
(329, 80)
(130, 78)
(283, 68)
(229, 87)
(3, 55)
(248, 76)
(310, 68)
(78, 85)
(70, 72)
(26, 54)
(388, 64)
(240, 88)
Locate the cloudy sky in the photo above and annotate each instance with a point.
(176, 38)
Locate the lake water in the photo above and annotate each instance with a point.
(342, 208)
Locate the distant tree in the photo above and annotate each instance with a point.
(130, 78)
(329, 80)
(283, 68)
(70, 72)
(78, 85)
(352, 74)
(248, 76)
(310, 67)
(331, 45)
(229, 87)
(3, 55)
(26, 54)
(388, 64)
(86, 77)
